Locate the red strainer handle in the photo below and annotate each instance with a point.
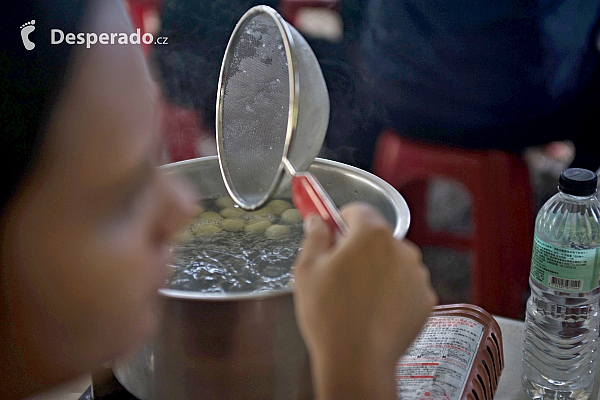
(309, 197)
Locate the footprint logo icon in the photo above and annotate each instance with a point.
(26, 29)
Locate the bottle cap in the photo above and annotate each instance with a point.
(577, 182)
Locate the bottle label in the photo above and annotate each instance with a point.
(565, 269)
(437, 363)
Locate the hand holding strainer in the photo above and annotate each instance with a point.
(272, 115)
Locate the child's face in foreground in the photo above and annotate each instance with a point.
(85, 240)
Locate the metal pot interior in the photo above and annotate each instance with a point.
(344, 184)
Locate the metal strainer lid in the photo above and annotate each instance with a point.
(266, 63)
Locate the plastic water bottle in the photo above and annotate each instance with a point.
(561, 324)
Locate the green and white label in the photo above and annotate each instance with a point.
(570, 270)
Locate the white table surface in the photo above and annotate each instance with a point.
(510, 381)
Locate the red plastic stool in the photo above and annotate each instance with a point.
(503, 219)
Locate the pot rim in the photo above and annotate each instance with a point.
(220, 297)
(399, 231)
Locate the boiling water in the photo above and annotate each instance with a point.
(227, 262)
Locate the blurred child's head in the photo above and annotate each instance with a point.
(87, 217)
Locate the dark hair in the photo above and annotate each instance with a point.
(30, 79)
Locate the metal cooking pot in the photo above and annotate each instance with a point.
(241, 345)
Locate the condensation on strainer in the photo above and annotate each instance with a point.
(255, 108)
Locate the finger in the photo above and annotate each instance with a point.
(411, 250)
(429, 297)
(318, 239)
(361, 215)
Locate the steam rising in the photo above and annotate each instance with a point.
(188, 71)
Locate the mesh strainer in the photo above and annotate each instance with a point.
(272, 115)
